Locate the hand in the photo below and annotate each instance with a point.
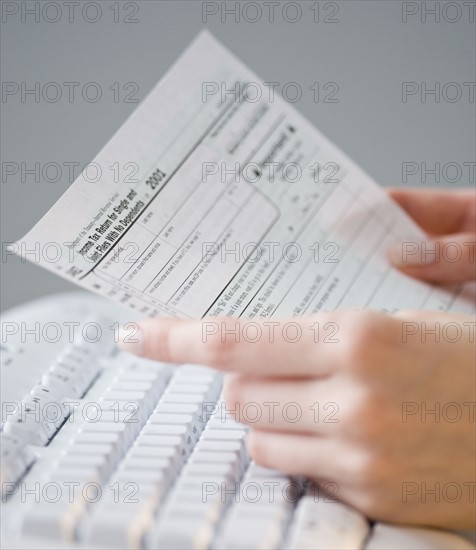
(364, 384)
(449, 219)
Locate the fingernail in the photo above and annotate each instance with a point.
(130, 340)
(413, 254)
(395, 255)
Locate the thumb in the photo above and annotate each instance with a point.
(448, 259)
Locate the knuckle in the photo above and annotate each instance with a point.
(365, 467)
(258, 449)
(156, 343)
(381, 503)
(233, 389)
(219, 352)
(366, 412)
(363, 416)
(361, 341)
(370, 505)
(373, 471)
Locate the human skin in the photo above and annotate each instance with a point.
(379, 375)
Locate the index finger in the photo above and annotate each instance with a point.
(295, 347)
(438, 212)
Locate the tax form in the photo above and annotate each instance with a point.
(216, 197)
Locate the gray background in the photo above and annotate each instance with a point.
(369, 52)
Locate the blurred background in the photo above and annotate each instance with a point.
(391, 83)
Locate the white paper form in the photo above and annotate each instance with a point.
(233, 204)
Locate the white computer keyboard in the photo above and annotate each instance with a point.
(102, 449)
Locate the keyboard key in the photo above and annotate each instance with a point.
(157, 374)
(237, 447)
(59, 520)
(27, 428)
(149, 442)
(121, 384)
(100, 463)
(326, 525)
(154, 452)
(198, 469)
(192, 378)
(16, 458)
(256, 471)
(392, 537)
(167, 429)
(209, 457)
(83, 475)
(251, 533)
(47, 392)
(158, 440)
(181, 408)
(138, 403)
(185, 398)
(189, 368)
(32, 411)
(141, 463)
(164, 418)
(176, 386)
(85, 452)
(62, 383)
(265, 505)
(177, 534)
(126, 433)
(214, 484)
(54, 411)
(134, 475)
(196, 503)
(121, 527)
(95, 438)
(80, 377)
(107, 412)
(221, 423)
(207, 391)
(153, 391)
(223, 435)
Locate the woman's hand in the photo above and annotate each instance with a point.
(383, 406)
(449, 219)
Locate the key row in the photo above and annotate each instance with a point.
(43, 411)
(155, 459)
(96, 450)
(206, 487)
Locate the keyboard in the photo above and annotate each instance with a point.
(101, 449)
